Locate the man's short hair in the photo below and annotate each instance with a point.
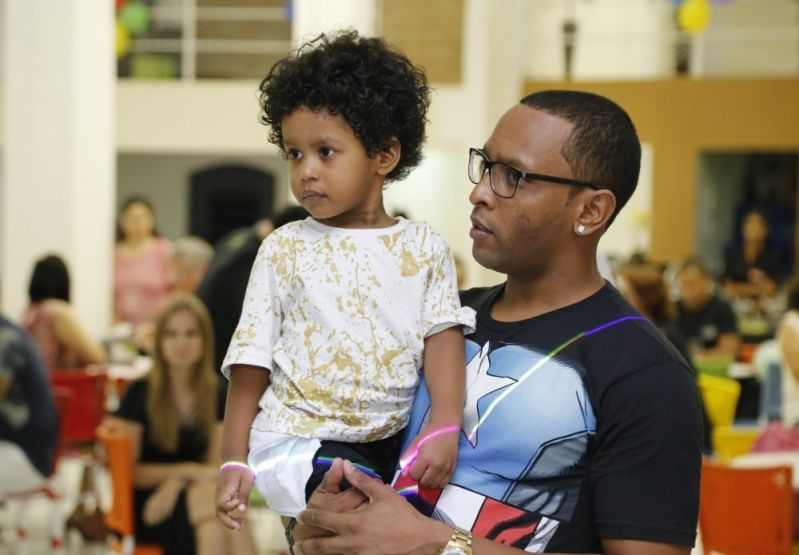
(603, 147)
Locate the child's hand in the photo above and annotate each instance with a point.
(233, 488)
(436, 451)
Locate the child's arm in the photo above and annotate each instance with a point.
(247, 385)
(445, 375)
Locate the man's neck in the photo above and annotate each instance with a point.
(527, 297)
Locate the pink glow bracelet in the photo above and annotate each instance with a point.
(412, 456)
(236, 464)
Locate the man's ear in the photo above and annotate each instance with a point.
(596, 209)
(388, 159)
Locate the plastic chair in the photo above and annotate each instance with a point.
(121, 518)
(720, 396)
(732, 441)
(88, 392)
(746, 511)
(64, 405)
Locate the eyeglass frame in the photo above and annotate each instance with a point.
(527, 176)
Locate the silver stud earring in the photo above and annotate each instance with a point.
(580, 229)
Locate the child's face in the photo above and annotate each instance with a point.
(332, 176)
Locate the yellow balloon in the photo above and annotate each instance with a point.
(123, 39)
(694, 15)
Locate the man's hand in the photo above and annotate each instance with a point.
(387, 524)
(328, 496)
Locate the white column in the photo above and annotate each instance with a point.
(59, 158)
(312, 17)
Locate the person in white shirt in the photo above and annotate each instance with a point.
(345, 308)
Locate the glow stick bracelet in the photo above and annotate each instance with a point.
(415, 453)
(236, 464)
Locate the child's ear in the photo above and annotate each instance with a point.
(388, 159)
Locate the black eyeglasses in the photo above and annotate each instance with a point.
(504, 179)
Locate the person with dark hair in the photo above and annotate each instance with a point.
(51, 322)
(225, 282)
(345, 307)
(751, 268)
(582, 423)
(141, 264)
(704, 317)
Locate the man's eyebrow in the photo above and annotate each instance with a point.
(507, 161)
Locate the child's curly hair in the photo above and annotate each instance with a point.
(374, 87)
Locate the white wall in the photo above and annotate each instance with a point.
(616, 39)
(58, 156)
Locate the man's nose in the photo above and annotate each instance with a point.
(482, 193)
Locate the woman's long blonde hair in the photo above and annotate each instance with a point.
(162, 413)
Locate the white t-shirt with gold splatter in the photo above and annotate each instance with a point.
(339, 316)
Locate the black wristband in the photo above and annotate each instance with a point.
(290, 534)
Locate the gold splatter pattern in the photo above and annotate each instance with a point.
(339, 317)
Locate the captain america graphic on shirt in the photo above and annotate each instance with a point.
(527, 424)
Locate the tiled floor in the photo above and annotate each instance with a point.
(266, 525)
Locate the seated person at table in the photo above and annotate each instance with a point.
(52, 324)
(704, 317)
(752, 269)
(173, 417)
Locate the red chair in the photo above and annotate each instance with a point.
(120, 518)
(746, 511)
(88, 392)
(64, 405)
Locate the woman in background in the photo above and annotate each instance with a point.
(50, 321)
(141, 264)
(752, 269)
(173, 417)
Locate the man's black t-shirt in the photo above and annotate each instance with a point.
(704, 326)
(579, 425)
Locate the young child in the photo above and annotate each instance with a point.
(343, 309)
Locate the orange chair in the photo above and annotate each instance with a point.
(88, 392)
(121, 518)
(746, 511)
(64, 406)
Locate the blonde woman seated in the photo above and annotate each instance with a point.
(173, 417)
